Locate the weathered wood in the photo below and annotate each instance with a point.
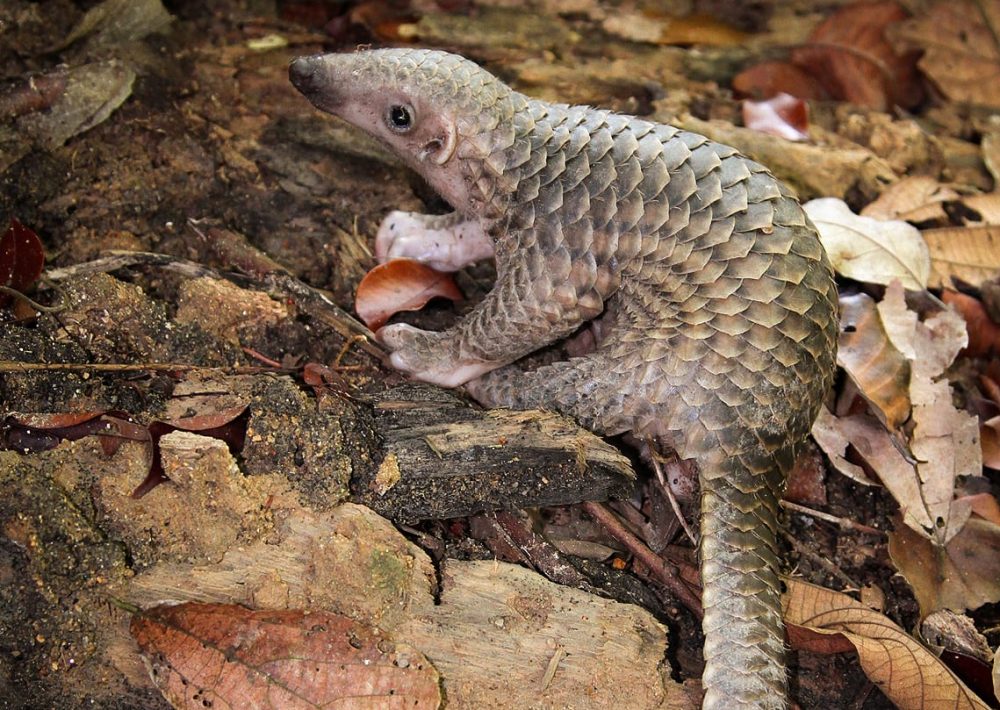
(443, 459)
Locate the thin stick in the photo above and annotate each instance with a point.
(843, 523)
(665, 573)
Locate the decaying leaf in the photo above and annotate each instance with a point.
(971, 254)
(916, 198)
(871, 441)
(868, 250)
(849, 54)
(866, 352)
(784, 116)
(114, 22)
(961, 50)
(205, 655)
(909, 674)
(964, 574)
(400, 285)
(943, 441)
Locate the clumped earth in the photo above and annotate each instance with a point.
(198, 420)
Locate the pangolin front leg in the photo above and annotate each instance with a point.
(444, 242)
(720, 302)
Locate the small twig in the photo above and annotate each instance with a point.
(542, 555)
(843, 523)
(665, 487)
(550, 670)
(14, 293)
(664, 572)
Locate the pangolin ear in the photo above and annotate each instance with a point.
(443, 138)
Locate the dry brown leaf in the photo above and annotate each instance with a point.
(865, 351)
(964, 574)
(849, 54)
(984, 334)
(767, 79)
(916, 198)
(986, 207)
(944, 440)
(909, 674)
(962, 54)
(968, 253)
(871, 442)
(400, 285)
(868, 250)
(204, 655)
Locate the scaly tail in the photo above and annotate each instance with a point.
(744, 634)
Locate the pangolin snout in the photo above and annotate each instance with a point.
(304, 73)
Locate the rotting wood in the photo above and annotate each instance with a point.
(443, 459)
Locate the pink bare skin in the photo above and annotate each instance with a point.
(443, 242)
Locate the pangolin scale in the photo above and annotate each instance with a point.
(717, 304)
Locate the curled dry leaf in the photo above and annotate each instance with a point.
(868, 250)
(961, 51)
(849, 53)
(400, 285)
(964, 574)
(865, 351)
(909, 674)
(917, 198)
(784, 116)
(203, 655)
(971, 254)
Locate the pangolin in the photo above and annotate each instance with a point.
(717, 304)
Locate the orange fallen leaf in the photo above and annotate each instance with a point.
(400, 285)
(909, 674)
(204, 655)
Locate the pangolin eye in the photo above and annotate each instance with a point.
(400, 118)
